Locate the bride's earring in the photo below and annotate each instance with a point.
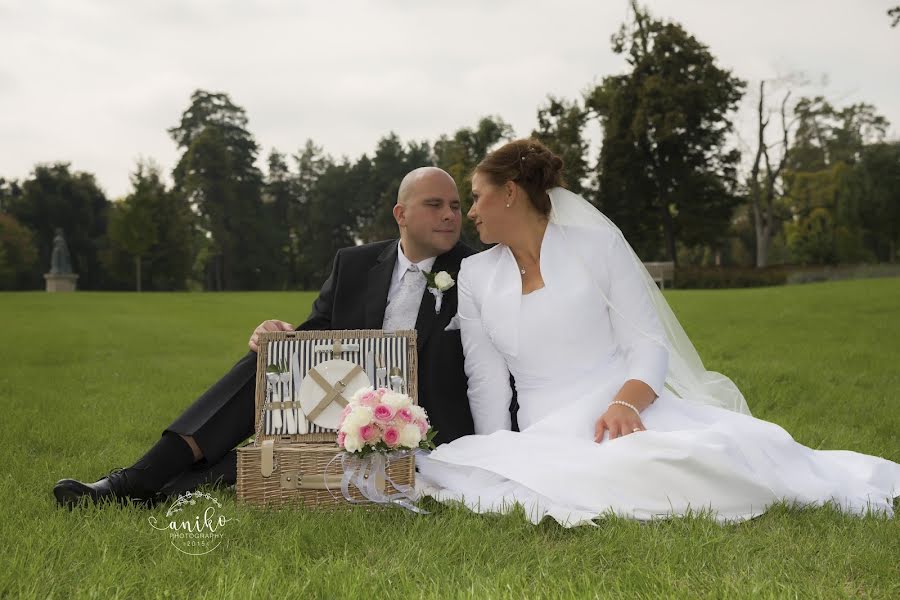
(507, 205)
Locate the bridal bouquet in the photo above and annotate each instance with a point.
(383, 421)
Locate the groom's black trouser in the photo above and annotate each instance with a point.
(220, 419)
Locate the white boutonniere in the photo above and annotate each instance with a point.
(438, 283)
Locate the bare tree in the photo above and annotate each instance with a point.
(765, 175)
(894, 14)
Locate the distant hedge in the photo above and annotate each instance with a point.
(729, 277)
(741, 277)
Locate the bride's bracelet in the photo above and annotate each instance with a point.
(631, 406)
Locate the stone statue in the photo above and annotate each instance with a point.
(60, 278)
(60, 262)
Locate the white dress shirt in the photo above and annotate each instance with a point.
(400, 269)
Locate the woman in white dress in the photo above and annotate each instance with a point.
(616, 412)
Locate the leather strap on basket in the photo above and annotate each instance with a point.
(333, 393)
(267, 458)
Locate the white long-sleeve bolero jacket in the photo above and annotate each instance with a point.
(490, 301)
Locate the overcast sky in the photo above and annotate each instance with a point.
(97, 83)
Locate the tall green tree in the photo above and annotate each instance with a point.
(879, 172)
(9, 189)
(332, 216)
(310, 164)
(279, 198)
(664, 163)
(151, 229)
(18, 254)
(390, 164)
(218, 176)
(561, 125)
(826, 134)
(826, 227)
(54, 196)
(831, 195)
(131, 230)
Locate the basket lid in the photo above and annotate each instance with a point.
(305, 378)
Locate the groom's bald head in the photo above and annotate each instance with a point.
(421, 176)
(428, 213)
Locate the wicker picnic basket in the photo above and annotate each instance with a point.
(304, 378)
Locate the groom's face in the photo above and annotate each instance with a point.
(429, 217)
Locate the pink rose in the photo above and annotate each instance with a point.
(383, 413)
(347, 410)
(423, 427)
(369, 399)
(405, 415)
(341, 437)
(368, 432)
(380, 392)
(391, 436)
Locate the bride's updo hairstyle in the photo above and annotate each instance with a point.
(529, 163)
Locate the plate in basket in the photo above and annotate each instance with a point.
(335, 373)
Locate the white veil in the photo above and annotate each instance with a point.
(686, 376)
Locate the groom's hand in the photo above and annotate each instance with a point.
(270, 325)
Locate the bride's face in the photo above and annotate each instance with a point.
(488, 206)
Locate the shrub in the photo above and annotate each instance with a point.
(730, 277)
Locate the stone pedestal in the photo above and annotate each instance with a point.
(60, 282)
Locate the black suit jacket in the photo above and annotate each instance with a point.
(355, 296)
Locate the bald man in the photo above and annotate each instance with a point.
(374, 286)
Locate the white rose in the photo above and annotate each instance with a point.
(410, 436)
(443, 281)
(359, 416)
(395, 400)
(353, 441)
(418, 413)
(357, 396)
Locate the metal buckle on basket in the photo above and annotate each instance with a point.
(297, 481)
(333, 392)
(290, 481)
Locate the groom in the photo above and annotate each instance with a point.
(374, 286)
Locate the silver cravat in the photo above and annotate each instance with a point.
(403, 309)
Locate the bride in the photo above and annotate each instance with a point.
(617, 413)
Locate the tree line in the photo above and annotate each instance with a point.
(822, 185)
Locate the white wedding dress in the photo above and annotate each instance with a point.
(570, 355)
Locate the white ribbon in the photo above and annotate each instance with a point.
(368, 474)
(438, 298)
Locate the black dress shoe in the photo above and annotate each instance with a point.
(114, 487)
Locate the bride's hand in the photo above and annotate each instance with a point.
(619, 420)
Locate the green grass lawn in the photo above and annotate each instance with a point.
(89, 381)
